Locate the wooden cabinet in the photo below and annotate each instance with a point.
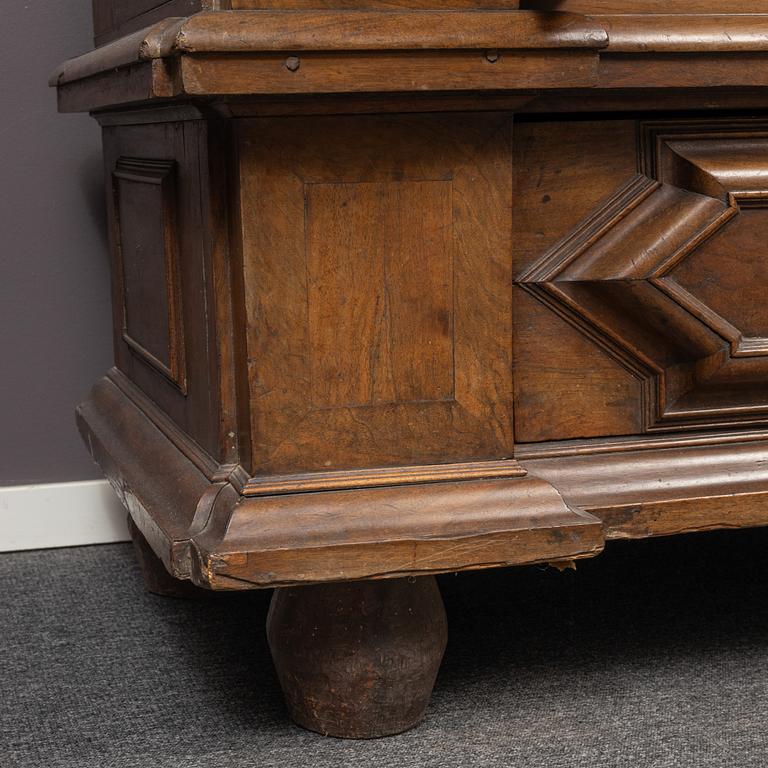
(402, 289)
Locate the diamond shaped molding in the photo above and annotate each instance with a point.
(627, 275)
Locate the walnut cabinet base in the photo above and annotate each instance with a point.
(410, 288)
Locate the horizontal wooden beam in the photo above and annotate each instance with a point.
(641, 487)
(392, 532)
(250, 31)
(685, 33)
(303, 52)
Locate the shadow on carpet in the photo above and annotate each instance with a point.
(654, 654)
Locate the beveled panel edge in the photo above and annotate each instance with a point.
(707, 203)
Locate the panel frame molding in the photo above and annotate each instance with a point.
(160, 173)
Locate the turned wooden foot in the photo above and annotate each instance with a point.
(156, 578)
(358, 660)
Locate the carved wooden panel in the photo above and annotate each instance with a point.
(565, 385)
(148, 268)
(668, 276)
(378, 276)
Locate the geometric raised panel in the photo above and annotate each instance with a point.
(147, 261)
(669, 275)
(377, 266)
(380, 292)
(729, 274)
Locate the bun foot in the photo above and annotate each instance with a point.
(157, 580)
(358, 660)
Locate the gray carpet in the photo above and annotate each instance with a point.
(654, 654)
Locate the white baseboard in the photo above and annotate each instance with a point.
(60, 515)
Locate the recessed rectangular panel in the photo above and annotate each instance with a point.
(380, 267)
(142, 245)
(147, 263)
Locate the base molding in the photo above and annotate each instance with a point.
(642, 491)
(390, 532)
(204, 527)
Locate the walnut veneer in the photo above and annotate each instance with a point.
(403, 288)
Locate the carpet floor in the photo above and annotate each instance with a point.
(654, 655)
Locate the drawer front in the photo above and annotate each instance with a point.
(641, 276)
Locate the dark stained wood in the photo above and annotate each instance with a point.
(246, 32)
(642, 488)
(383, 5)
(649, 7)
(400, 334)
(658, 33)
(189, 396)
(263, 52)
(358, 660)
(192, 511)
(157, 579)
(391, 531)
(376, 72)
(147, 263)
(372, 478)
(381, 47)
(566, 386)
(411, 288)
(113, 19)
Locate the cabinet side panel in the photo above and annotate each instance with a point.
(161, 242)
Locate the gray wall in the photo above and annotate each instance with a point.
(54, 275)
